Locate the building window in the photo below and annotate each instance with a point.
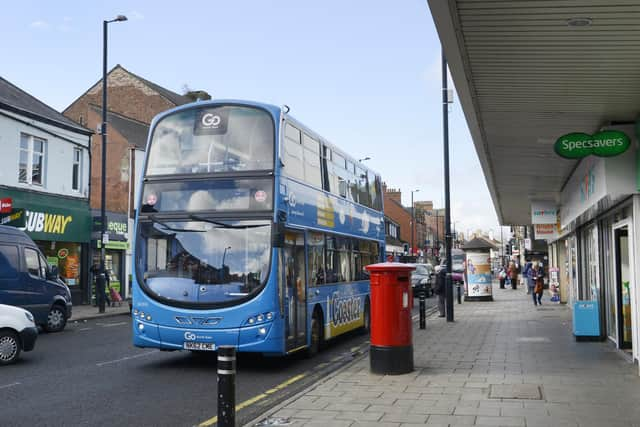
(31, 168)
(77, 169)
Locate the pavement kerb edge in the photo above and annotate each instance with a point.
(101, 316)
(301, 393)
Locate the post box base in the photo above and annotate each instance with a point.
(391, 360)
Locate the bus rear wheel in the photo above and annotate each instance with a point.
(316, 334)
(366, 327)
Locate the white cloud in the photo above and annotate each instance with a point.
(39, 24)
(135, 15)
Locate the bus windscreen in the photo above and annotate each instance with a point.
(202, 261)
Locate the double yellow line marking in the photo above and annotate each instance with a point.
(257, 398)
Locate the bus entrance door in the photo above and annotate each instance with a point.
(296, 295)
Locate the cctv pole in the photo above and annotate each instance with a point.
(447, 199)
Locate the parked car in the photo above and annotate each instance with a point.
(28, 281)
(18, 332)
(422, 279)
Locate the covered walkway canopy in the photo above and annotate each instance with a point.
(529, 71)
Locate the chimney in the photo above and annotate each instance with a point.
(394, 194)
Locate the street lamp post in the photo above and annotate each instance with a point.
(413, 220)
(447, 199)
(364, 159)
(101, 279)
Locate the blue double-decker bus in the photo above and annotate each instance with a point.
(252, 231)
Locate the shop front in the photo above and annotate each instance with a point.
(116, 248)
(598, 211)
(60, 226)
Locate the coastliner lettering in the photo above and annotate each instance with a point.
(344, 310)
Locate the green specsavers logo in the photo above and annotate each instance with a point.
(607, 143)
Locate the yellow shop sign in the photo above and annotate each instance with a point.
(41, 222)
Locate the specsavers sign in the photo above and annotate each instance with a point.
(52, 218)
(607, 143)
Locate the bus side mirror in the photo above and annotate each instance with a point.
(277, 235)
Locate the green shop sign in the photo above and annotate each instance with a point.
(50, 218)
(607, 143)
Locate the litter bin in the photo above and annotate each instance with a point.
(391, 349)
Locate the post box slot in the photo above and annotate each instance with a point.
(403, 279)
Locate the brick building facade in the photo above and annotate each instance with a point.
(132, 103)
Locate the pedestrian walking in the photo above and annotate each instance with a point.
(439, 290)
(527, 278)
(539, 286)
(502, 275)
(512, 272)
(530, 272)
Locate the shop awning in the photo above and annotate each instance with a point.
(528, 72)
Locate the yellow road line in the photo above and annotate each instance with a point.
(257, 398)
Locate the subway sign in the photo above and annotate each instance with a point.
(577, 145)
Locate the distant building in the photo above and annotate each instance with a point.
(44, 183)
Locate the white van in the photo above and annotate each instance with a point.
(18, 332)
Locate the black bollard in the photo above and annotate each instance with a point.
(100, 290)
(423, 306)
(226, 386)
(459, 293)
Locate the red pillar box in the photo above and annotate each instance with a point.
(391, 329)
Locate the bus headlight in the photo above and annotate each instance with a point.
(269, 316)
(262, 331)
(135, 311)
(251, 320)
(149, 317)
(260, 318)
(140, 327)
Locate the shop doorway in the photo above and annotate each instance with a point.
(623, 281)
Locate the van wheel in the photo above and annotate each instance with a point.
(9, 347)
(316, 334)
(56, 319)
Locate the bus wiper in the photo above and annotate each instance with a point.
(177, 230)
(222, 224)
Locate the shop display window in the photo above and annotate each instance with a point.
(67, 257)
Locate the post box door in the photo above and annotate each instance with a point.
(295, 289)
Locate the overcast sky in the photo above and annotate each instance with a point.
(365, 74)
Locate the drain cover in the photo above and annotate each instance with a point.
(515, 391)
(274, 421)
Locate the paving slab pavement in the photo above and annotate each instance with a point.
(501, 363)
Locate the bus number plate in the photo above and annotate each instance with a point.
(203, 346)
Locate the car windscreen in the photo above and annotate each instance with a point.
(212, 139)
(201, 261)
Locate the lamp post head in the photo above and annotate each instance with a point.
(366, 158)
(119, 18)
